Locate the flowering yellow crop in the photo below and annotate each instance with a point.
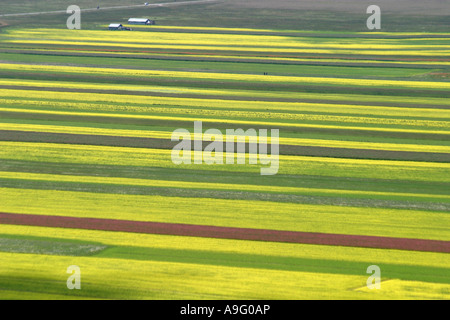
(223, 41)
(339, 167)
(255, 57)
(36, 95)
(213, 186)
(228, 76)
(167, 135)
(294, 107)
(332, 50)
(254, 123)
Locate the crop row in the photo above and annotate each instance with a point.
(226, 41)
(160, 74)
(152, 101)
(230, 213)
(130, 182)
(297, 165)
(168, 134)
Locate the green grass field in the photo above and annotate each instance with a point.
(86, 118)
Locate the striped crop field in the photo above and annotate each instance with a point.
(87, 177)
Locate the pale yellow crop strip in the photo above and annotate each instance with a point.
(428, 53)
(255, 58)
(162, 280)
(209, 103)
(282, 140)
(228, 76)
(205, 185)
(36, 95)
(240, 44)
(407, 33)
(8, 149)
(154, 101)
(219, 40)
(257, 124)
(206, 114)
(130, 279)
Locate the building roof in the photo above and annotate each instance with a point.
(115, 25)
(138, 19)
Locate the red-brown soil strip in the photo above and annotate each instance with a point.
(226, 232)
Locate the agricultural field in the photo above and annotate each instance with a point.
(87, 177)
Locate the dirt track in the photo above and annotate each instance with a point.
(226, 232)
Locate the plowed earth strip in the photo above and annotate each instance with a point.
(226, 232)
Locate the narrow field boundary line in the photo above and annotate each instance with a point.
(204, 231)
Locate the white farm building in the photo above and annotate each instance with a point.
(115, 26)
(142, 21)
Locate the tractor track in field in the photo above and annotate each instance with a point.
(233, 233)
